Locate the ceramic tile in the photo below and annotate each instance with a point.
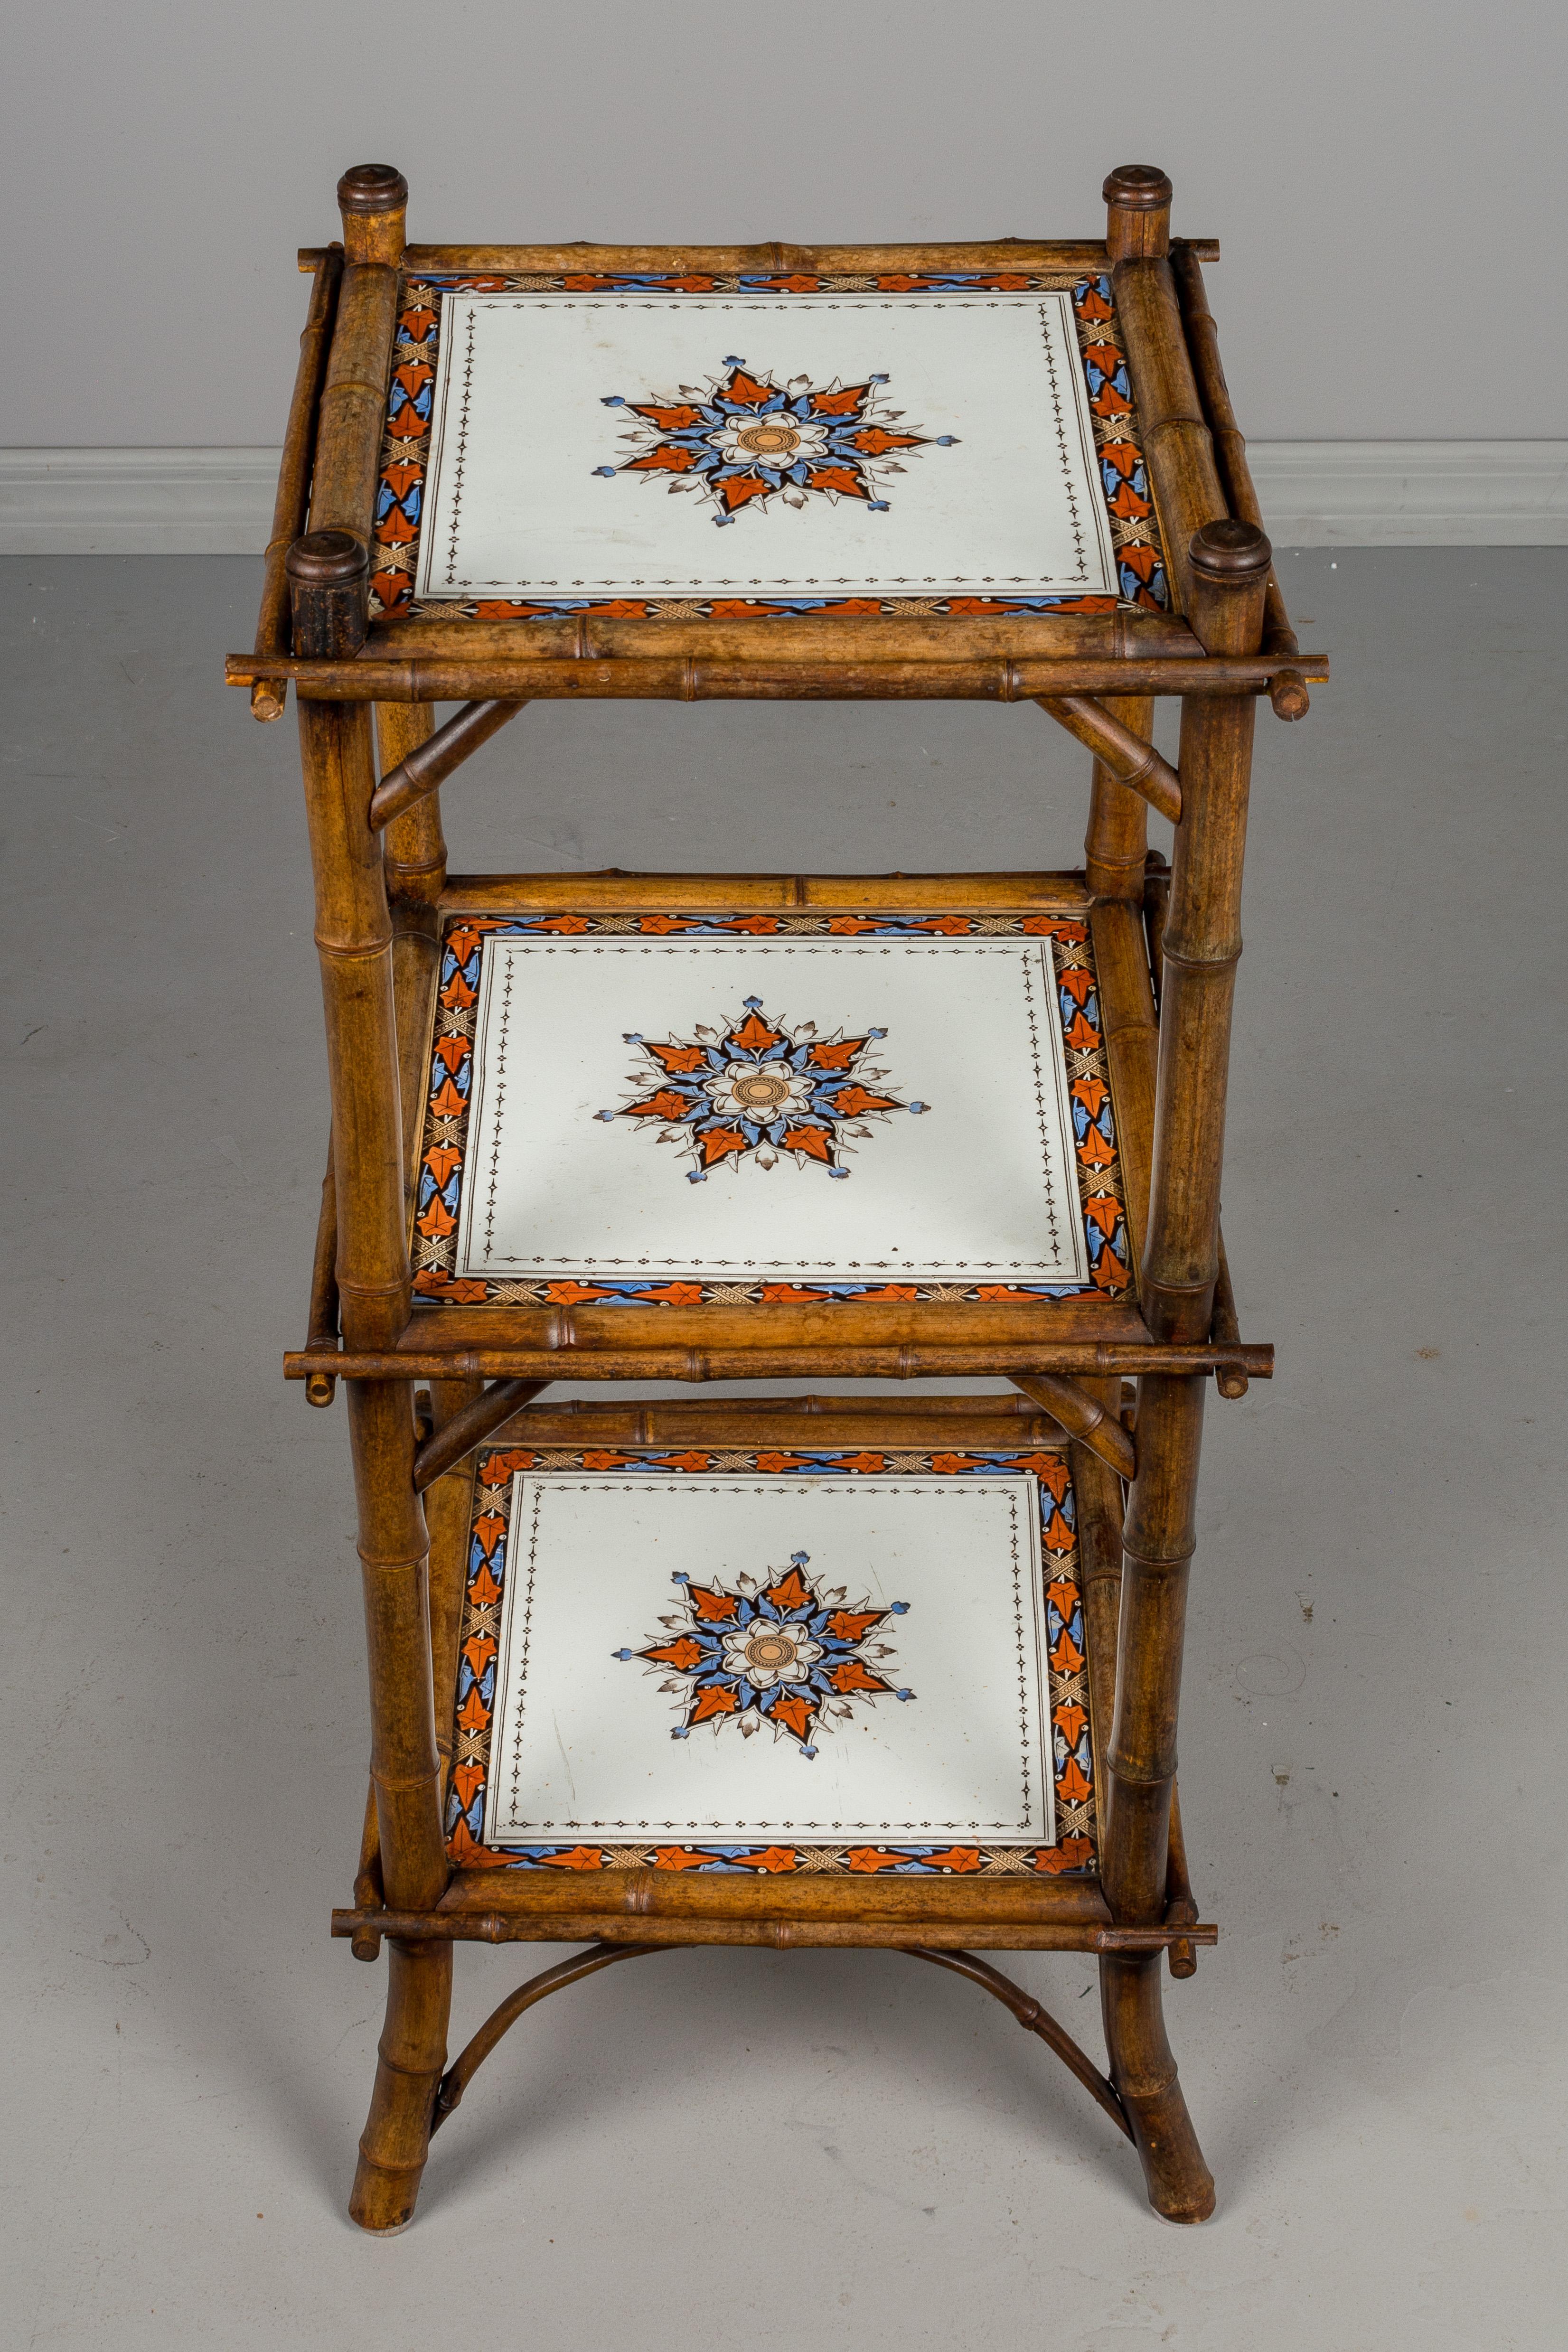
(652, 1626)
(718, 1108)
(689, 445)
(773, 1661)
(959, 444)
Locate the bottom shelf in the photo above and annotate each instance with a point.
(912, 1603)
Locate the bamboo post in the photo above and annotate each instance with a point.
(1228, 567)
(327, 573)
(414, 863)
(1116, 841)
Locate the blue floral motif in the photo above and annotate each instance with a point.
(758, 1090)
(745, 439)
(782, 1653)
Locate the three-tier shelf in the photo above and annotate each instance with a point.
(895, 1672)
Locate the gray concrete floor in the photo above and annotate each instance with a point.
(838, 2148)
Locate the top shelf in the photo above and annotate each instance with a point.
(946, 469)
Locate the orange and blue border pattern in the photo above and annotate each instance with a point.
(1142, 573)
(1073, 1853)
(444, 1147)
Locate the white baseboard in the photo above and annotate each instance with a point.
(1412, 493)
(1313, 494)
(136, 501)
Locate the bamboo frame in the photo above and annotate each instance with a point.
(382, 892)
(1029, 255)
(423, 1360)
(292, 498)
(1287, 692)
(768, 1930)
(373, 677)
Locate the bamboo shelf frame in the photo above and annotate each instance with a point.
(1165, 943)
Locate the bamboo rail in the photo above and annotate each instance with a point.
(292, 500)
(1287, 692)
(588, 1926)
(1094, 1358)
(369, 677)
(1118, 635)
(1006, 1418)
(1028, 255)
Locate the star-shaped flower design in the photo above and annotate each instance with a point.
(782, 1653)
(757, 1090)
(744, 439)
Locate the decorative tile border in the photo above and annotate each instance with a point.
(445, 1153)
(1072, 1757)
(406, 449)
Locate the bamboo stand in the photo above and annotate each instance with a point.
(382, 889)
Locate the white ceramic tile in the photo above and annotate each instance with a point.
(519, 503)
(977, 1185)
(586, 1741)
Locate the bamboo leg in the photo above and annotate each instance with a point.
(1229, 564)
(410, 2060)
(1179, 2183)
(1116, 841)
(405, 1774)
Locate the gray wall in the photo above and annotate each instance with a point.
(1386, 179)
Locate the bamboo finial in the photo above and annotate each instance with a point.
(373, 201)
(1138, 225)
